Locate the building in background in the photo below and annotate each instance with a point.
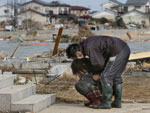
(6, 13)
(80, 11)
(133, 11)
(41, 11)
(110, 15)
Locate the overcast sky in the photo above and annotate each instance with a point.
(94, 5)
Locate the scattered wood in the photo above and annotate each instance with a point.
(141, 55)
(129, 35)
(29, 71)
(57, 41)
(40, 44)
(2, 55)
(146, 65)
(13, 53)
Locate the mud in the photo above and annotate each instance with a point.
(135, 89)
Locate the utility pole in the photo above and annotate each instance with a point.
(15, 12)
(13, 5)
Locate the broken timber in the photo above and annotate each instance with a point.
(11, 56)
(29, 71)
(138, 56)
(57, 41)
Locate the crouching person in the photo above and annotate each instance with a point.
(87, 85)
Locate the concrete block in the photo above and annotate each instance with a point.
(14, 93)
(7, 73)
(5, 102)
(6, 80)
(35, 65)
(17, 65)
(34, 103)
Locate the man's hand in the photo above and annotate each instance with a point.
(96, 77)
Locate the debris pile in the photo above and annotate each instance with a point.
(60, 53)
(84, 31)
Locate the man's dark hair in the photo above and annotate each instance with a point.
(72, 49)
(83, 65)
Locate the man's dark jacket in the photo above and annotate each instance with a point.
(100, 48)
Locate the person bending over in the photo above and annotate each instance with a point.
(109, 56)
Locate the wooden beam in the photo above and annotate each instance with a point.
(141, 55)
(57, 41)
(129, 35)
(13, 53)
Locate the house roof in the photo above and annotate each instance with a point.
(38, 1)
(78, 8)
(106, 13)
(57, 3)
(34, 12)
(52, 4)
(136, 2)
(115, 1)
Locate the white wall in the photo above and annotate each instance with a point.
(142, 9)
(4, 16)
(135, 17)
(34, 16)
(108, 5)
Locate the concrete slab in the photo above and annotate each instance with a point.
(14, 93)
(6, 80)
(18, 92)
(7, 73)
(34, 103)
(35, 65)
(80, 108)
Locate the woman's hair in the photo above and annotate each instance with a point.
(81, 65)
(72, 49)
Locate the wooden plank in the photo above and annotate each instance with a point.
(41, 44)
(13, 53)
(141, 55)
(2, 55)
(57, 41)
(129, 35)
(29, 71)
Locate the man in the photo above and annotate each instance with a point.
(87, 85)
(108, 56)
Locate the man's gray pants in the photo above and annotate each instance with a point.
(115, 67)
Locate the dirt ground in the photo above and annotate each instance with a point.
(135, 89)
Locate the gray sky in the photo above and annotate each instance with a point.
(94, 5)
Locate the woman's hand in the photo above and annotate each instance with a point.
(96, 77)
(79, 74)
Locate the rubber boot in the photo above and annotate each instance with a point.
(118, 96)
(93, 99)
(106, 103)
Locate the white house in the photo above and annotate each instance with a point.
(33, 15)
(133, 11)
(140, 5)
(108, 14)
(137, 12)
(6, 13)
(38, 10)
(110, 5)
(136, 17)
(40, 6)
